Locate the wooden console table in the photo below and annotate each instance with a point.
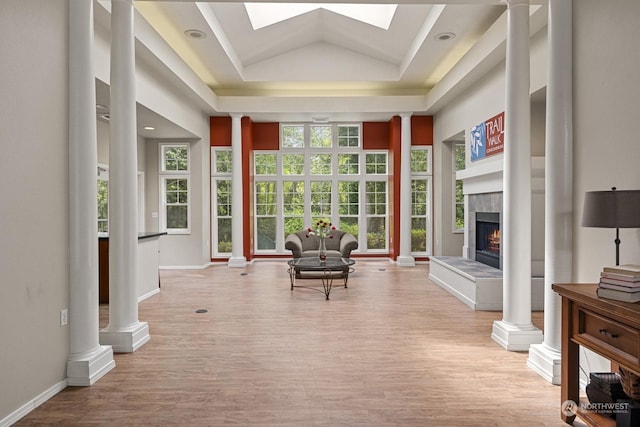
(609, 328)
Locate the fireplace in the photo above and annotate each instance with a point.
(488, 238)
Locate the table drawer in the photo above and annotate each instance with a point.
(606, 332)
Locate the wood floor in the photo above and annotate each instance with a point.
(393, 349)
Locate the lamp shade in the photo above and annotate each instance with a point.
(611, 209)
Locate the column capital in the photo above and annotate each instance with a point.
(405, 115)
(236, 115)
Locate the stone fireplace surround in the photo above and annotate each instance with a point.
(487, 202)
(477, 285)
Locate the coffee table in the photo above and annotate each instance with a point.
(326, 271)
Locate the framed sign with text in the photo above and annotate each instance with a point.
(487, 138)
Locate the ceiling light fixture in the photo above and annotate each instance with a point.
(445, 36)
(149, 128)
(195, 34)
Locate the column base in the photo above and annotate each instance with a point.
(237, 262)
(406, 261)
(126, 340)
(545, 361)
(87, 368)
(514, 338)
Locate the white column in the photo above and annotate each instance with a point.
(545, 358)
(404, 258)
(88, 360)
(515, 332)
(124, 332)
(237, 220)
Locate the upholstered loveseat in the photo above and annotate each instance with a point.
(339, 244)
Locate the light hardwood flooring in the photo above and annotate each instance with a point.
(393, 349)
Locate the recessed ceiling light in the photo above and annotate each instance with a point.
(195, 34)
(445, 36)
(149, 128)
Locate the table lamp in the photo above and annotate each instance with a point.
(612, 209)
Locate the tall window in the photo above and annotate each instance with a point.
(421, 200)
(103, 200)
(174, 186)
(293, 206)
(376, 211)
(458, 165)
(221, 201)
(265, 167)
(321, 172)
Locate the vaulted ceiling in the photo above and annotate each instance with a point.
(323, 63)
(320, 50)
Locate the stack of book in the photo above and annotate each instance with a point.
(621, 283)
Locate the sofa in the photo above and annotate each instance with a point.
(339, 244)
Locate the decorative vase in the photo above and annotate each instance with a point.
(322, 250)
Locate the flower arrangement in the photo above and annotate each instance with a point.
(323, 229)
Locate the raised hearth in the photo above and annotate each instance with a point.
(477, 285)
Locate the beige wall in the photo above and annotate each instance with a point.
(34, 214)
(606, 112)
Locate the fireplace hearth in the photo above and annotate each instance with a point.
(488, 238)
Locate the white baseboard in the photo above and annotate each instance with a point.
(25, 409)
(185, 267)
(148, 294)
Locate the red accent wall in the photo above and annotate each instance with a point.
(395, 134)
(375, 135)
(421, 130)
(220, 131)
(266, 136)
(247, 186)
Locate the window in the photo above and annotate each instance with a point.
(103, 200)
(458, 164)
(321, 137)
(222, 161)
(321, 173)
(376, 211)
(292, 136)
(320, 164)
(176, 203)
(320, 200)
(421, 200)
(265, 164)
(348, 164)
(349, 206)
(175, 158)
(221, 208)
(174, 186)
(376, 163)
(266, 214)
(222, 214)
(293, 164)
(348, 136)
(293, 206)
(296, 186)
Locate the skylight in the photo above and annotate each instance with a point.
(264, 14)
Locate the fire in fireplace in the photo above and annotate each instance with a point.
(488, 238)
